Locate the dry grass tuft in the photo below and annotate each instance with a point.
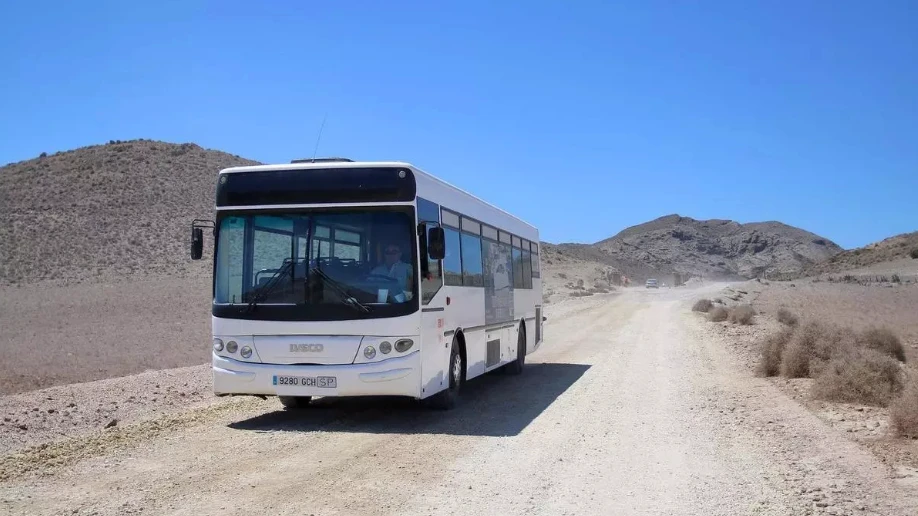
(859, 375)
(847, 366)
(812, 345)
(718, 314)
(903, 412)
(743, 314)
(884, 341)
(787, 317)
(772, 351)
(702, 305)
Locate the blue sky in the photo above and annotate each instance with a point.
(580, 117)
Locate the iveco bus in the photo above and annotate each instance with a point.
(340, 278)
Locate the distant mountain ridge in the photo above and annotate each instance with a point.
(123, 209)
(714, 248)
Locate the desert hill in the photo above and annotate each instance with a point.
(113, 210)
(900, 249)
(718, 248)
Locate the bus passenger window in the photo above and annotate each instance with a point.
(452, 263)
(471, 261)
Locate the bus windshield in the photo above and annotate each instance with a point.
(316, 264)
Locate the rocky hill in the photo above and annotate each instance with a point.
(902, 247)
(714, 248)
(719, 247)
(110, 210)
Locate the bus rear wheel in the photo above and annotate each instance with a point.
(516, 367)
(295, 402)
(446, 399)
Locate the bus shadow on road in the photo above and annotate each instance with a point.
(493, 405)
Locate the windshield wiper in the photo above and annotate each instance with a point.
(346, 298)
(262, 292)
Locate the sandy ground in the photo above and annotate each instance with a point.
(102, 330)
(845, 304)
(856, 306)
(629, 408)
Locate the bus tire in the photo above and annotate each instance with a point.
(447, 398)
(294, 402)
(516, 367)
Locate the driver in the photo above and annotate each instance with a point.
(395, 268)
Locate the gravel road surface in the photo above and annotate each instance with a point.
(626, 409)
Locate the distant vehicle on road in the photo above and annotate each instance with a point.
(652, 283)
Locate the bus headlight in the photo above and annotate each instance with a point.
(385, 347)
(246, 352)
(369, 352)
(231, 346)
(218, 345)
(403, 345)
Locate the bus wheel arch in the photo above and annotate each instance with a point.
(446, 399)
(516, 367)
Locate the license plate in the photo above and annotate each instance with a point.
(325, 382)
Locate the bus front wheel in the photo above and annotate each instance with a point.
(295, 402)
(446, 399)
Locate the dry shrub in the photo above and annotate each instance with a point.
(719, 301)
(718, 314)
(884, 341)
(859, 375)
(772, 351)
(787, 317)
(702, 305)
(743, 314)
(813, 344)
(914, 253)
(903, 412)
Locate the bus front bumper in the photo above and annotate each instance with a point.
(398, 376)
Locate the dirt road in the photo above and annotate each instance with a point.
(627, 409)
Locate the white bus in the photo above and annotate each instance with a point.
(340, 278)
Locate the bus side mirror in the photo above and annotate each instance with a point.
(436, 243)
(197, 243)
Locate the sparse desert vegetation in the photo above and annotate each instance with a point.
(903, 413)
(718, 314)
(884, 341)
(847, 366)
(787, 317)
(773, 351)
(742, 314)
(702, 305)
(846, 350)
(859, 375)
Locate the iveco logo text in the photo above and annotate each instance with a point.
(306, 348)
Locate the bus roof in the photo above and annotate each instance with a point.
(360, 164)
